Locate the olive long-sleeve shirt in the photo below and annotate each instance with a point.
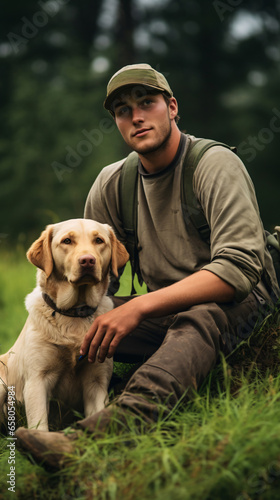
(169, 249)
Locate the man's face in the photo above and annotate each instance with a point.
(144, 120)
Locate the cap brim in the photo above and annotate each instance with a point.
(108, 103)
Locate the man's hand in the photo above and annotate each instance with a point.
(108, 330)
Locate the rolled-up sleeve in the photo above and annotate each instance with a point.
(227, 196)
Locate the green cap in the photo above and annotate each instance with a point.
(135, 74)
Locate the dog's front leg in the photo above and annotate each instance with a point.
(95, 383)
(95, 398)
(36, 404)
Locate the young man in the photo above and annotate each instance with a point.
(202, 296)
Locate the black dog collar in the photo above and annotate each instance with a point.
(75, 312)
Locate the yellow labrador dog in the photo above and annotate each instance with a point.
(73, 260)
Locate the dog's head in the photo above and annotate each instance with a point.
(78, 252)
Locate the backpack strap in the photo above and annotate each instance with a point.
(128, 203)
(190, 205)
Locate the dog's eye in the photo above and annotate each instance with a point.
(99, 241)
(67, 241)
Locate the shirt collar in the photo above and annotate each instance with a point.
(142, 171)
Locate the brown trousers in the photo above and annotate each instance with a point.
(176, 354)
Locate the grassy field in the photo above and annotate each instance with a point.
(225, 443)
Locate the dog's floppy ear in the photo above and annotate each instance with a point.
(119, 254)
(40, 253)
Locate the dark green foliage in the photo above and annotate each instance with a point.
(226, 81)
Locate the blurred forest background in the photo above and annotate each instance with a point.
(221, 58)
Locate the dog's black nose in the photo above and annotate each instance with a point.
(87, 261)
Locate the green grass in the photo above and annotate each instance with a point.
(219, 447)
(224, 444)
(17, 279)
